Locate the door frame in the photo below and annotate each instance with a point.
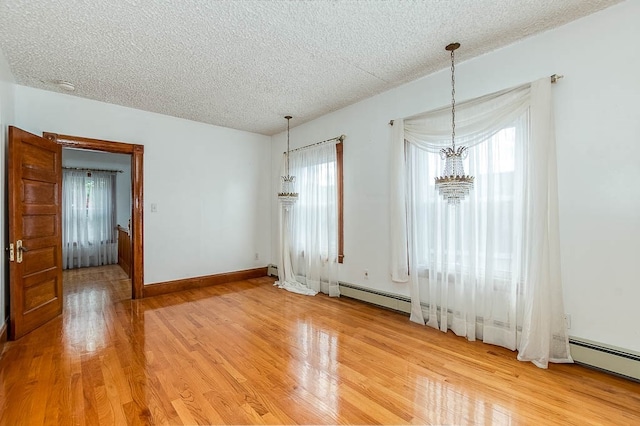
(137, 225)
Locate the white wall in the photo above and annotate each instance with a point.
(598, 140)
(107, 161)
(6, 118)
(211, 184)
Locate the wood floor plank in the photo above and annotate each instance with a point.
(250, 353)
(76, 400)
(58, 394)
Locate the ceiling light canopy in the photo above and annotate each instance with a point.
(63, 84)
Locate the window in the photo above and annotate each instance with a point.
(470, 257)
(316, 225)
(478, 238)
(319, 179)
(88, 219)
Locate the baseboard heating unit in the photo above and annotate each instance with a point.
(272, 270)
(622, 362)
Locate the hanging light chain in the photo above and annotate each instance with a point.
(453, 102)
(288, 117)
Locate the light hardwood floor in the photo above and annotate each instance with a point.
(249, 353)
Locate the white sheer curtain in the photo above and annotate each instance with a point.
(489, 268)
(309, 230)
(88, 224)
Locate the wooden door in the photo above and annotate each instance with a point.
(35, 221)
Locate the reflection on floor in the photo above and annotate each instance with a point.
(250, 353)
(89, 295)
(111, 280)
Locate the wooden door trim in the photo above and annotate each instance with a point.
(137, 223)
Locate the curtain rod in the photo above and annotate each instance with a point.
(82, 169)
(554, 79)
(337, 138)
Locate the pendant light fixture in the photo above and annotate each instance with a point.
(287, 194)
(453, 185)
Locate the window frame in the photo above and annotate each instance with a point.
(339, 179)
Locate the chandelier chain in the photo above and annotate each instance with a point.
(288, 118)
(453, 102)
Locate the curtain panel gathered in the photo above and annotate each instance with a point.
(308, 258)
(489, 268)
(88, 219)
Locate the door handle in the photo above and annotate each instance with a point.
(20, 249)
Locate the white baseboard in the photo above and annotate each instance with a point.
(618, 361)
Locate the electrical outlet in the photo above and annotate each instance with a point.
(154, 208)
(567, 321)
(256, 256)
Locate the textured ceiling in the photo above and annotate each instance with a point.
(246, 64)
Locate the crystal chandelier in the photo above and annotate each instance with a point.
(454, 185)
(287, 194)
